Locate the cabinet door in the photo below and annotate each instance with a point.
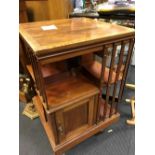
(74, 119)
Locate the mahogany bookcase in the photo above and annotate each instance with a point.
(69, 87)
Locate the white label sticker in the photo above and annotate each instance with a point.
(49, 27)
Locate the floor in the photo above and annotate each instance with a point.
(118, 139)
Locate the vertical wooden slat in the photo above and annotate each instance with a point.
(37, 75)
(34, 70)
(104, 59)
(99, 104)
(28, 51)
(110, 78)
(131, 44)
(31, 61)
(117, 76)
(42, 82)
(128, 64)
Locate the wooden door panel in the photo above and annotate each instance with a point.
(73, 120)
(76, 117)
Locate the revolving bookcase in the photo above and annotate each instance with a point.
(78, 71)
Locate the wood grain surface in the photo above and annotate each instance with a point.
(70, 33)
(64, 92)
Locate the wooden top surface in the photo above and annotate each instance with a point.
(70, 33)
(69, 90)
